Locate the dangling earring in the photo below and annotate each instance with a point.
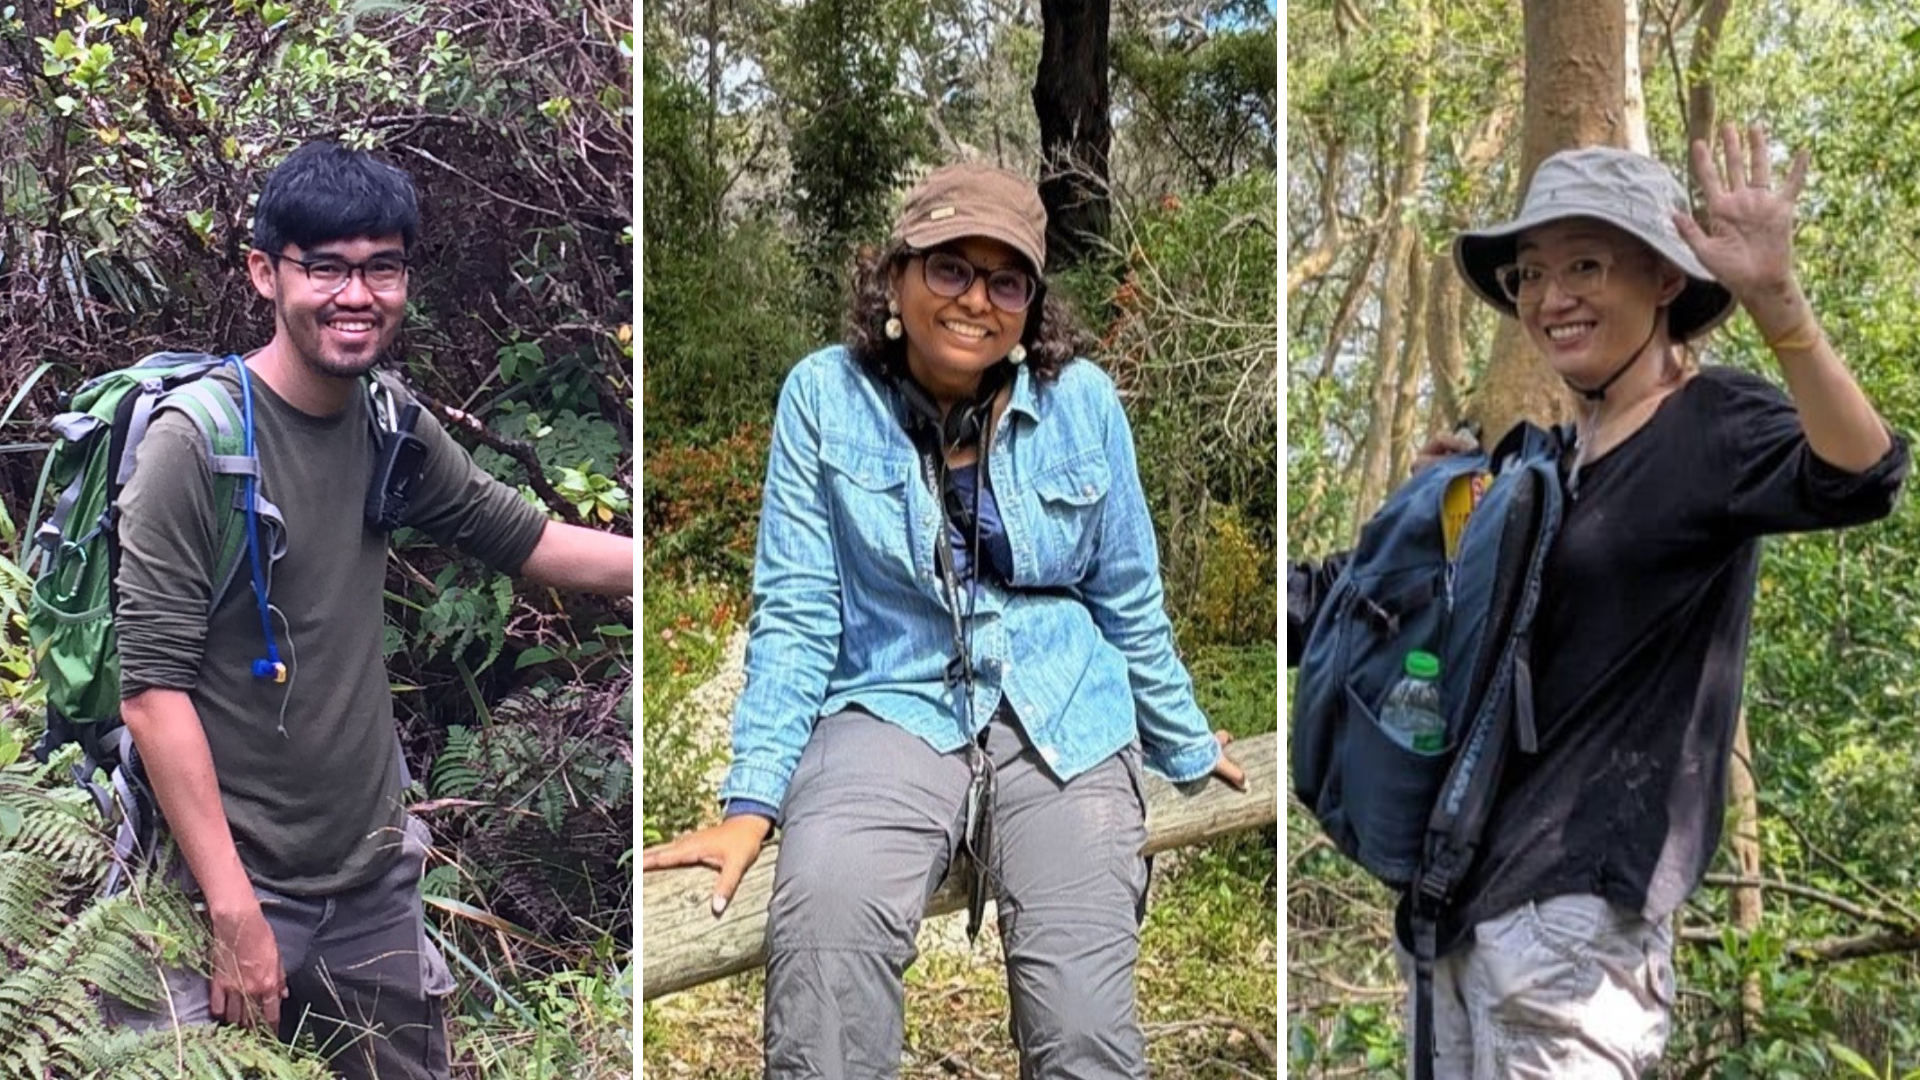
(1017, 355)
(894, 329)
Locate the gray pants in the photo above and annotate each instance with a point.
(1571, 987)
(361, 975)
(872, 821)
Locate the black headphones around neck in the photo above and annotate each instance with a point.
(962, 424)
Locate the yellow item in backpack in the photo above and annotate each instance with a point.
(1456, 506)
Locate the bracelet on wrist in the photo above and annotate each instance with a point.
(1805, 335)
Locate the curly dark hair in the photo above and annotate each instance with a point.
(1053, 334)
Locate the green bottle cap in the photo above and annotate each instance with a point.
(1423, 665)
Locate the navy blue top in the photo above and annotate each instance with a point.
(993, 534)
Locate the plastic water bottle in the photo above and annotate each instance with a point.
(1412, 715)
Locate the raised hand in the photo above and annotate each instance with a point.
(1748, 240)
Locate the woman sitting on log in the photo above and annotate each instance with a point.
(958, 646)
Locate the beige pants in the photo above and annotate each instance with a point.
(1571, 988)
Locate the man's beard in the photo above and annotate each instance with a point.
(308, 333)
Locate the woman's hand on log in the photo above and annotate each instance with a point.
(729, 847)
(1224, 768)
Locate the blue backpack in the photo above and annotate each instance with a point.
(1413, 819)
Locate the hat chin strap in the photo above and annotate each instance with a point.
(1599, 393)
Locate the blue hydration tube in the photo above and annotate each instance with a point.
(268, 666)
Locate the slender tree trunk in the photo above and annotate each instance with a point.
(1706, 42)
(1071, 99)
(1413, 362)
(1633, 89)
(713, 109)
(1446, 292)
(1446, 349)
(1377, 448)
(1575, 96)
(1350, 298)
(1744, 904)
(1376, 452)
(1314, 263)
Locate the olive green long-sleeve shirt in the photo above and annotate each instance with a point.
(309, 769)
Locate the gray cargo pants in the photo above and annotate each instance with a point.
(362, 977)
(1570, 988)
(872, 821)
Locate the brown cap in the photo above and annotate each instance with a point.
(973, 199)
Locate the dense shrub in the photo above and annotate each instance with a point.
(702, 505)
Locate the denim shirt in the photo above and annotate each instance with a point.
(849, 607)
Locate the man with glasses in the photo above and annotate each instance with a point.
(284, 795)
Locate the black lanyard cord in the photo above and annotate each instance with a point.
(937, 477)
(980, 808)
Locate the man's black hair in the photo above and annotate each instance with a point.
(324, 192)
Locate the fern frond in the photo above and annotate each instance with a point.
(28, 884)
(214, 1053)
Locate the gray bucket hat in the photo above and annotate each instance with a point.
(1629, 191)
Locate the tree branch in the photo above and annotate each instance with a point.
(1818, 896)
(516, 449)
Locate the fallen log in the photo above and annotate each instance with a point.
(684, 945)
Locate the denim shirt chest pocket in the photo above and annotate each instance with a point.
(1063, 515)
(867, 488)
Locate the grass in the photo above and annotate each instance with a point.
(579, 1027)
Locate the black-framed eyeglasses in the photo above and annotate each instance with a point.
(382, 273)
(948, 275)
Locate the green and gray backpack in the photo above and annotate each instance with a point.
(76, 554)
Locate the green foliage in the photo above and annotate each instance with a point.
(853, 136)
(685, 628)
(713, 362)
(594, 497)
(461, 616)
(1233, 600)
(506, 763)
(582, 1030)
(1209, 105)
(702, 505)
(1192, 344)
(724, 326)
(63, 946)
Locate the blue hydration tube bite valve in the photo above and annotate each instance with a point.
(268, 666)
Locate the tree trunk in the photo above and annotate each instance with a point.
(1446, 292)
(1446, 348)
(1070, 98)
(1706, 41)
(1376, 449)
(1376, 454)
(1413, 363)
(1633, 91)
(1743, 830)
(686, 945)
(1350, 298)
(1310, 265)
(1575, 96)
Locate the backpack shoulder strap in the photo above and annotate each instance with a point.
(214, 412)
